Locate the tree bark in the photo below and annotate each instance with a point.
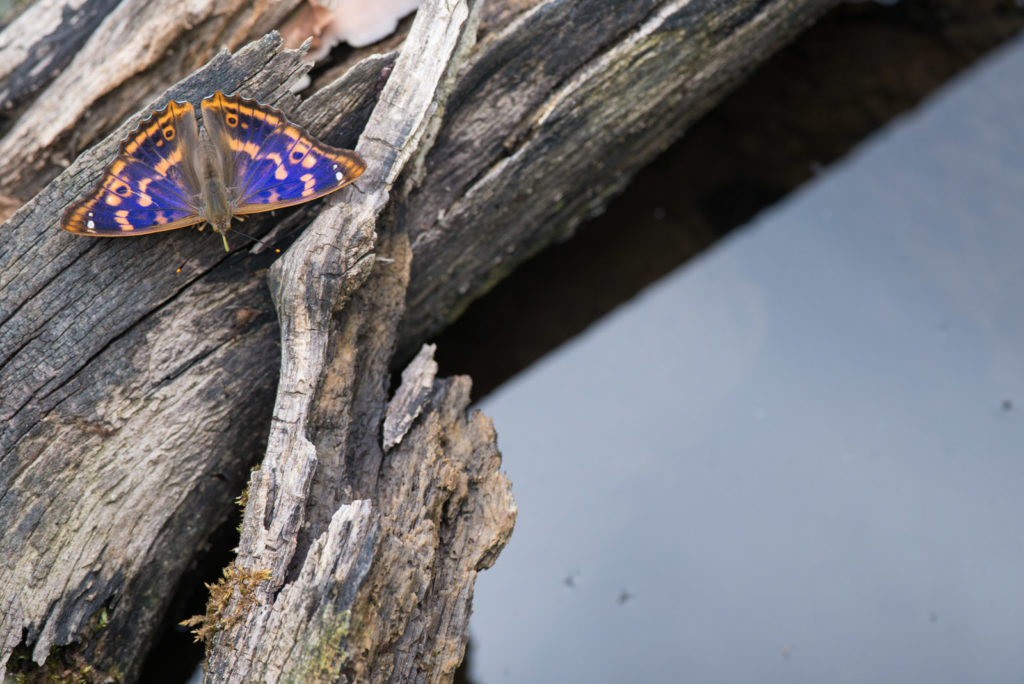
(133, 399)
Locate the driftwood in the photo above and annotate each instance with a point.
(134, 399)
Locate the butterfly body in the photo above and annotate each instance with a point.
(169, 173)
(216, 201)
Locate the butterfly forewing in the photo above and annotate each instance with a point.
(274, 162)
(249, 159)
(151, 186)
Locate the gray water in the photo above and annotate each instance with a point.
(800, 457)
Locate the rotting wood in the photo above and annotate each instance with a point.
(409, 400)
(134, 399)
(325, 451)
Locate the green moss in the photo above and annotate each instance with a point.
(221, 613)
(64, 665)
(330, 652)
(325, 657)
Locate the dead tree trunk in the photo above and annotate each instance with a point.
(133, 399)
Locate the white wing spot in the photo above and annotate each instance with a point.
(90, 213)
(90, 225)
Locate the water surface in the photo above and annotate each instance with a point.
(799, 457)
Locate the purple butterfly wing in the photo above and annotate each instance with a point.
(151, 186)
(270, 161)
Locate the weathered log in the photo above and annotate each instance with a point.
(515, 170)
(134, 399)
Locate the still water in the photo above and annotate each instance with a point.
(800, 457)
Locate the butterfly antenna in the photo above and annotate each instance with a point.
(254, 239)
(183, 264)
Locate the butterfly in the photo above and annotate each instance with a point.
(169, 173)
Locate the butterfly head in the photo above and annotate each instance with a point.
(221, 224)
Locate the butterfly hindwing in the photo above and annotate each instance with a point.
(168, 175)
(272, 162)
(151, 186)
